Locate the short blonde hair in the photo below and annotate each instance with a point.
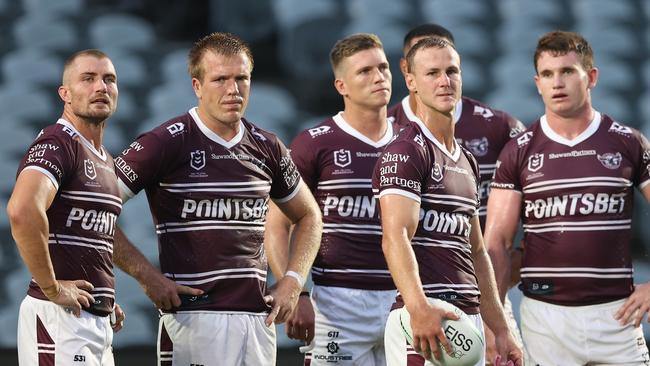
(350, 45)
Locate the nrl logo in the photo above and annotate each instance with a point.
(342, 158)
(535, 162)
(610, 160)
(197, 159)
(436, 173)
(89, 169)
(478, 147)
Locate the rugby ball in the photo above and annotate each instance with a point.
(466, 340)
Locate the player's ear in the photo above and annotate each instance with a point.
(403, 66)
(64, 94)
(340, 86)
(593, 77)
(410, 82)
(196, 86)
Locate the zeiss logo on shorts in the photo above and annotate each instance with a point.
(478, 147)
(484, 112)
(535, 162)
(89, 169)
(610, 160)
(342, 158)
(524, 139)
(317, 131)
(175, 128)
(436, 172)
(197, 159)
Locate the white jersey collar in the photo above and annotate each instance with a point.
(101, 153)
(345, 126)
(413, 118)
(590, 130)
(213, 136)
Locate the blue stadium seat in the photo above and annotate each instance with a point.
(45, 33)
(31, 66)
(124, 31)
(54, 8)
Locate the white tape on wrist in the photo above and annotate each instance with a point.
(297, 276)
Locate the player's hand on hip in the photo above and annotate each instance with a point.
(117, 318)
(300, 324)
(426, 322)
(635, 307)
(164, 292)
(72, 295)
(509, 353)
(282, 298)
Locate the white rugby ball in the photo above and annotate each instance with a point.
(466, 340)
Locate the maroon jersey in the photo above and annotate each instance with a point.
(208, 198)
(577, 208)
(482, 130)
(418, 166)
(336, 161)
(83, 214)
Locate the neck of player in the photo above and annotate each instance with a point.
(440, 124)
(570, 125)
(91, 130)
(370, 122)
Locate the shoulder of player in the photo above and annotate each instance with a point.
(408, 139)
(321, 131)
(55, 135)
(625, 134)
(489, 113)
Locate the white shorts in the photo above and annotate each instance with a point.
(49, 335)
(350, 326)
(579, 335)
(400, 353)
(211, 338)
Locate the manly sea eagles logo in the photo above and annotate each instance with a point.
(342, 158)
(478, 147)
(535, 162)
(197, 159)
(610, 160)
(89, 169)
(436, 172)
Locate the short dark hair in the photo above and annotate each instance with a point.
(226, 44)
(350, 45)
(561, 42)
(424, 43)
(427, 30)
(89, 52)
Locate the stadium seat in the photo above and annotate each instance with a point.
(19, 102)
(124, 31)
(455, 14)
(290, 13)
(53, 8)
(171, 99)
(532, 10)
(174, 66)
(386, 11)
(249, 19)
(45, 33)
(270, 107)
(132, 71)
(475, 76)
(615, 74)
(520, 103)
(390, 34)
(603, 11)
(514, 70)
(610, 39)
(32, 67)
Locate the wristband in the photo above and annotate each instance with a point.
(297, 276)
(304, 293)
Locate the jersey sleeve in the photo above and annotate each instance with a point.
(286, 180)
(643, 171)
(400, 170)
(139, 164)
(506, 175)
(477, 175)
(515, 127)
(304, 156)
(50, 156)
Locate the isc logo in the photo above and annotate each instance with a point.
(79, 358)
